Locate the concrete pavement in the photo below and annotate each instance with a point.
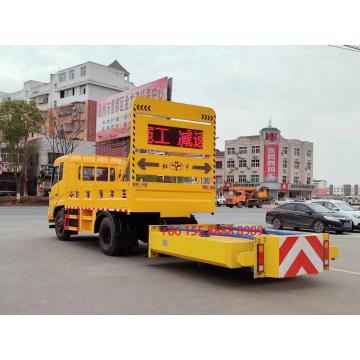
(41, 275)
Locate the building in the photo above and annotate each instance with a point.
(285, 166)
(320, 188)
(69, 101)
(344, 190)
(220, 168)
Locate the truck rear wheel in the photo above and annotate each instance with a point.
(61, 234)
(239, 205)
(109, 236)
(117, 234)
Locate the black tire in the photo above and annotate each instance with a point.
(110, 236)
(61, 234)
(277, 224)
(239, 205)
(318, 226)
(250, 206)
(230, 206)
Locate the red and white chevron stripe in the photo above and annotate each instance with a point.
(300, 255)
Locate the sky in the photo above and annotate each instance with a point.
(311, 93)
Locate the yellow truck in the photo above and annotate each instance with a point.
(151, 196)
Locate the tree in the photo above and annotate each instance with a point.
(63, 136)
(18, 119)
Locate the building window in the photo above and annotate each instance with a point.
(242, 150)
(71, 74)
(284, 179)
(67, 93)
(309, 152)
(296, 164)
(296, 180)
(231, 151)
(82, 89)
(255, 149)
(230, 164)
(254, 178)
(83, 71)
(255, 163)
(242, 163)
(285, 150)
(296, 151)
(219, 179)
(308, 181)
(62, 77)
(242, 179)
(219, 164)
(308, 165)
(230, 178)
(284, 163)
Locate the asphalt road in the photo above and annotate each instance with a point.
(41, 275)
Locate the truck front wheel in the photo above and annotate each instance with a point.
(61, 234)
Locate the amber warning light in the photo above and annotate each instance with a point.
(175, 136)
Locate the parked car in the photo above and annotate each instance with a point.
(283, 201)
(299, 215)
(220, 201)
(343, 209)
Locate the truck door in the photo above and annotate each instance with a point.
(54, 192)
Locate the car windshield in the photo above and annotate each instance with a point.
(318, 208)
(344, 206)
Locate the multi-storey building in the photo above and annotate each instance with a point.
(344, 190)
(220, 168)
(69, 100)
(285, 166)
(320, 188)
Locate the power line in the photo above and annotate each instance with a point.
(347, 47)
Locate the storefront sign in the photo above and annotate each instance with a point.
(113, 112)
(271, 156)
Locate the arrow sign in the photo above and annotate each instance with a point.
(206, 167)
(143, 164)
(143, 107)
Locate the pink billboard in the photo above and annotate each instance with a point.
(271, 156)
(113, 112)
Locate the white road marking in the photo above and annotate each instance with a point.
(346, 271)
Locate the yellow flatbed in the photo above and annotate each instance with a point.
(274, 254)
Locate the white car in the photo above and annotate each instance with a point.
(283, 201)
(343, 208)
(220, 201)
